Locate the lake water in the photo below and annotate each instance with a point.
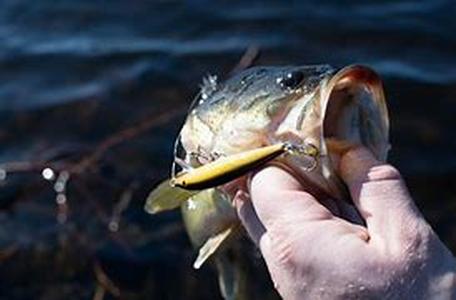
(76, 73)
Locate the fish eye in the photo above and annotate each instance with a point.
(291, 80)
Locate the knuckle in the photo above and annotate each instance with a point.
(414, 239)
(410, 242)
(384, 172)
(284, 245)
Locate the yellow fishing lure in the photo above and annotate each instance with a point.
(230, 167)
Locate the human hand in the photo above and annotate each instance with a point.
(322, 249)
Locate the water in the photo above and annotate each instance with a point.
(73, 73)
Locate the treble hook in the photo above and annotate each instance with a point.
(308, 149)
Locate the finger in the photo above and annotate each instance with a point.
(277, 196)
(248, 216)
(295, 223)
(379, 194)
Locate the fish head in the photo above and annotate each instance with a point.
(243, 112)
(332, 110)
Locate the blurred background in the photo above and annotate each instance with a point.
(92, 94)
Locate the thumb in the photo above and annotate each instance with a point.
(277, 195)
(381, 197)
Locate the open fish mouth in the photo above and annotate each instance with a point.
(355, 112)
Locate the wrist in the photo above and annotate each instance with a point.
(436, 269)
(443, 286)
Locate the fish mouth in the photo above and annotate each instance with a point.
(354, 113)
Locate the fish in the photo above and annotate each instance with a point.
(300, 118)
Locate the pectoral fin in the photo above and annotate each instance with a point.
(165, 197)
(211, 245)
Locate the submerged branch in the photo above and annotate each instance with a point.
(247, 60)
(123, 136)
(104, 283)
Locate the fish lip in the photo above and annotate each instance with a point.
(350, 75)
(361, 75)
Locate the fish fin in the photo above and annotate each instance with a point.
(184, 165)
(231, 276)
(209, 86)
(211, 245)
(166, 197)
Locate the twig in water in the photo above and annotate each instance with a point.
(247, 60)
(104, 283)
(122, 136)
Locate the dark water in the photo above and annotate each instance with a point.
(76, 73)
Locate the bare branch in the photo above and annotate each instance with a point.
(247, 60)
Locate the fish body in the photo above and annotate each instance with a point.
(301, 118)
